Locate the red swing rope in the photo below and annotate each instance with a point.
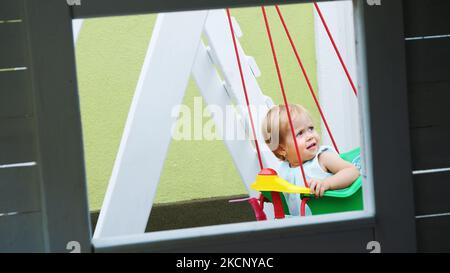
(305, 74)
(245, 89)
(257, 207)
(300, 162)
(335, 48)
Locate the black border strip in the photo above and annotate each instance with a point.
(101, 8)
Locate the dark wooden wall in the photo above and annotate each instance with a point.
(428, 74)
(381, 56)
(43, 204)
(21, 226)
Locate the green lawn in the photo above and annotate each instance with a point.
(110, 54)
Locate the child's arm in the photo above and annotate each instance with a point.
(344, 174)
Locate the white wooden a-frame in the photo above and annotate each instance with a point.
(175, 52)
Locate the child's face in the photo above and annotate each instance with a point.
(307, 140)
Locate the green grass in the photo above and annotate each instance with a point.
(110, 53)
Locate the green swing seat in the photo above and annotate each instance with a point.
(348, 199)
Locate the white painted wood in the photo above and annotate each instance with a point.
(147, 133)
(76, 26)
(253, 66)
(214, 93)
(218, 33)
(335, 93)
(365, 121)
(236, 27)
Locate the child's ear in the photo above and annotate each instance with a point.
(281, 150)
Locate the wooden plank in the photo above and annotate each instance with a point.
(433, 234)
(195, 213)
(429, 147)
(354, 241)
(340, 107)
(100, 8)
(22, 233)
(429, 104)
(63, 179)
(345, 236)
(17, 143)
(426, 18)
(428, 60)
(212, 89)
(19, 190)
(218, 33)
(432, 193)
(11, 9)
(12, 46)
(382, 80)
(429, 96)
(141, 154)
(15, 95)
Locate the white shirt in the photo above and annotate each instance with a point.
(294, 176)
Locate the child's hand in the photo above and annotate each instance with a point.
(318, 187)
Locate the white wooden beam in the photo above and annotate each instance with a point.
(214, 93)
(147, 133)
(76, 27)
(241, 150)
(335, 94)
(218, 33)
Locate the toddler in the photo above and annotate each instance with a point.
(324, 168)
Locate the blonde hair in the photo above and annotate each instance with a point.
(275, 127)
